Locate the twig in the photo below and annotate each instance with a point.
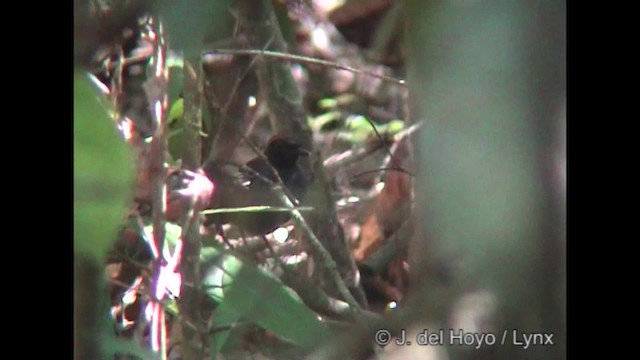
(309, 60)
(287, 113)
(391, 160)
(382, 169)
(287, 200)
(158, 100)
(144, 55)
(325, 257)
(227, 121)
(317, 300)
(190, 235)
(261, 208)
(381, 140)
(351, 156)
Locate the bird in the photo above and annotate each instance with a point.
(254, 185)
(221, 184)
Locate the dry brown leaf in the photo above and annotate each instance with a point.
(387, 214)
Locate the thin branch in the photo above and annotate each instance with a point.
(158, 99)
(309, 60)
(144, 55)
(384, 169)
(190, 236)
(225, 121)
(261, 208)
(287, 114)
(380, 138)
(326, 260)
(325, 257)
(319, 301)
(351, 156)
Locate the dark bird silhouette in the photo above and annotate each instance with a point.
(254, 184)
(250, 185)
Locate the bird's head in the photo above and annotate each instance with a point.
(284, 151)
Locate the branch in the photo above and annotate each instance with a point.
(351, 156)
(190, 297)
(324, 256)
(309, 60)
(156, 89)
(286, 112)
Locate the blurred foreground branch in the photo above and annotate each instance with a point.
(488, 80)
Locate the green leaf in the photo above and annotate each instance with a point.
(260, 297)
(336, 102)
(394, 127)
(175, 122)
(216, 272)
(327, 103)
(103, 173)
(224, 315)
(358, 122)
(177, 112)
(319, 122)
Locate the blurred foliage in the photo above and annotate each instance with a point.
(478, 162)
(192, 23)
(489, 79)
(354, 129)
(103, 173)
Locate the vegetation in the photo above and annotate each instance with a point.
(436, 188)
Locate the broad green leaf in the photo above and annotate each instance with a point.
(219, 269)
(103, 174)
(259, 297)
(262, 298)
(224, 315)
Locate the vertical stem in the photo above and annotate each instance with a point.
(288, 115)
(158, 100)
(191, 156)
(190, 267)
